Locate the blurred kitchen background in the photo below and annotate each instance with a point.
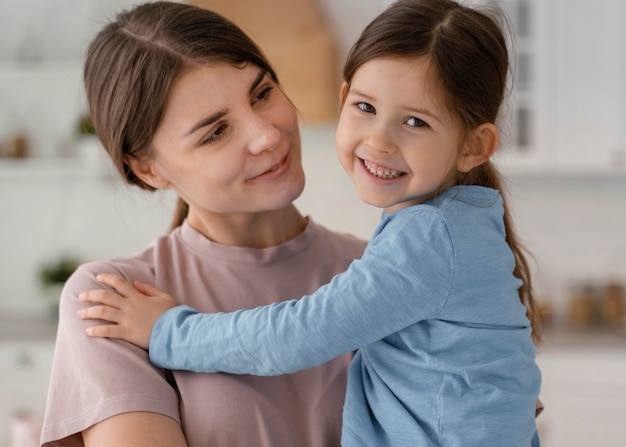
(564, 154)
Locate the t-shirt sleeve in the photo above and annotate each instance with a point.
(403, 277)
(94, 378)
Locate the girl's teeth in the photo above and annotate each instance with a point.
(379, 171)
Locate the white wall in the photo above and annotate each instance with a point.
(575, 224)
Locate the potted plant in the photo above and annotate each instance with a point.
(86, 143)
(85, 126)
(52, 276)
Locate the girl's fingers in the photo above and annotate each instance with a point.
(107, 330)
(102, 296)
(117, 283)
(106, 313)
(147, 289)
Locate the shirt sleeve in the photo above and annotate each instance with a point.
(403, 277)
(93, 379)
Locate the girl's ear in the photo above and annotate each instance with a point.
(147, 172)
(479, 147)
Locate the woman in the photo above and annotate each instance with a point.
(181, 98)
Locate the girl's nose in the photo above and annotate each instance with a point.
(263, 136)
(380, 139)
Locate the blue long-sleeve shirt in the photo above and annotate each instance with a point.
(444, 354)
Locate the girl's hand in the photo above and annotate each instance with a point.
(133, 310)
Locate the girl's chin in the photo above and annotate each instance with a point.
(371, 201)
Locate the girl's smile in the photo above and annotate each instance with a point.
(395, 137)
(381, 172)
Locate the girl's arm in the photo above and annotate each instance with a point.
(387, 290)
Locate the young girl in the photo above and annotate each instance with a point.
(439, 309)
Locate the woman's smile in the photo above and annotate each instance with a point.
(275, 171)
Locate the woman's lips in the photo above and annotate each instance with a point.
(379, 171)
(276, 170)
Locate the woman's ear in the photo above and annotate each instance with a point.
(479, 147)
(147, 172)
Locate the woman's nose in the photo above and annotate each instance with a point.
(263, 136)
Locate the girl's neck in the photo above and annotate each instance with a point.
(254, 230)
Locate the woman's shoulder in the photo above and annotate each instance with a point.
(136, 266)
(340, 241)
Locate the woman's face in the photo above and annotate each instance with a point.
(229, 142)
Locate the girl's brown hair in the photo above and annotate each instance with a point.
(132, 63)
(468, 56)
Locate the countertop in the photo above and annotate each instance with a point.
(566, 339)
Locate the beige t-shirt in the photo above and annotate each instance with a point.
(93, 379)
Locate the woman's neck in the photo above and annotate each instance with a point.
(254, 230)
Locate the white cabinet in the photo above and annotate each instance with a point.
(42, 102)
(568, 104)
(584, 393)
(591, 95)
(24, 375)
(525, 134)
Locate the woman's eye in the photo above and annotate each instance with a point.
(263, 94)
(416, 122)
(214, 135)
(365, 107)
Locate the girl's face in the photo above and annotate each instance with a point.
(228, 143)
(395, 138)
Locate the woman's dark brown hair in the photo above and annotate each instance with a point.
(132, 63)
(468, 57)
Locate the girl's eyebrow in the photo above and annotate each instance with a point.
(418, 110)
(358, 92)
(221, 113)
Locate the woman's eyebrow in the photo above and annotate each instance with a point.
(220, 114)
(259, 78)
(206, 122)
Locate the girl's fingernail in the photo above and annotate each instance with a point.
(81, 296)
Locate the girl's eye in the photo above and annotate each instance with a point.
(365, 107)
(416, 122)
(215, 135)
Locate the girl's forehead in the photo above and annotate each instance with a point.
(412, 80)
(408, 61)
(415, 74)
(418, 68)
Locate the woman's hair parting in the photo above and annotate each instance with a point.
(469, 63)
